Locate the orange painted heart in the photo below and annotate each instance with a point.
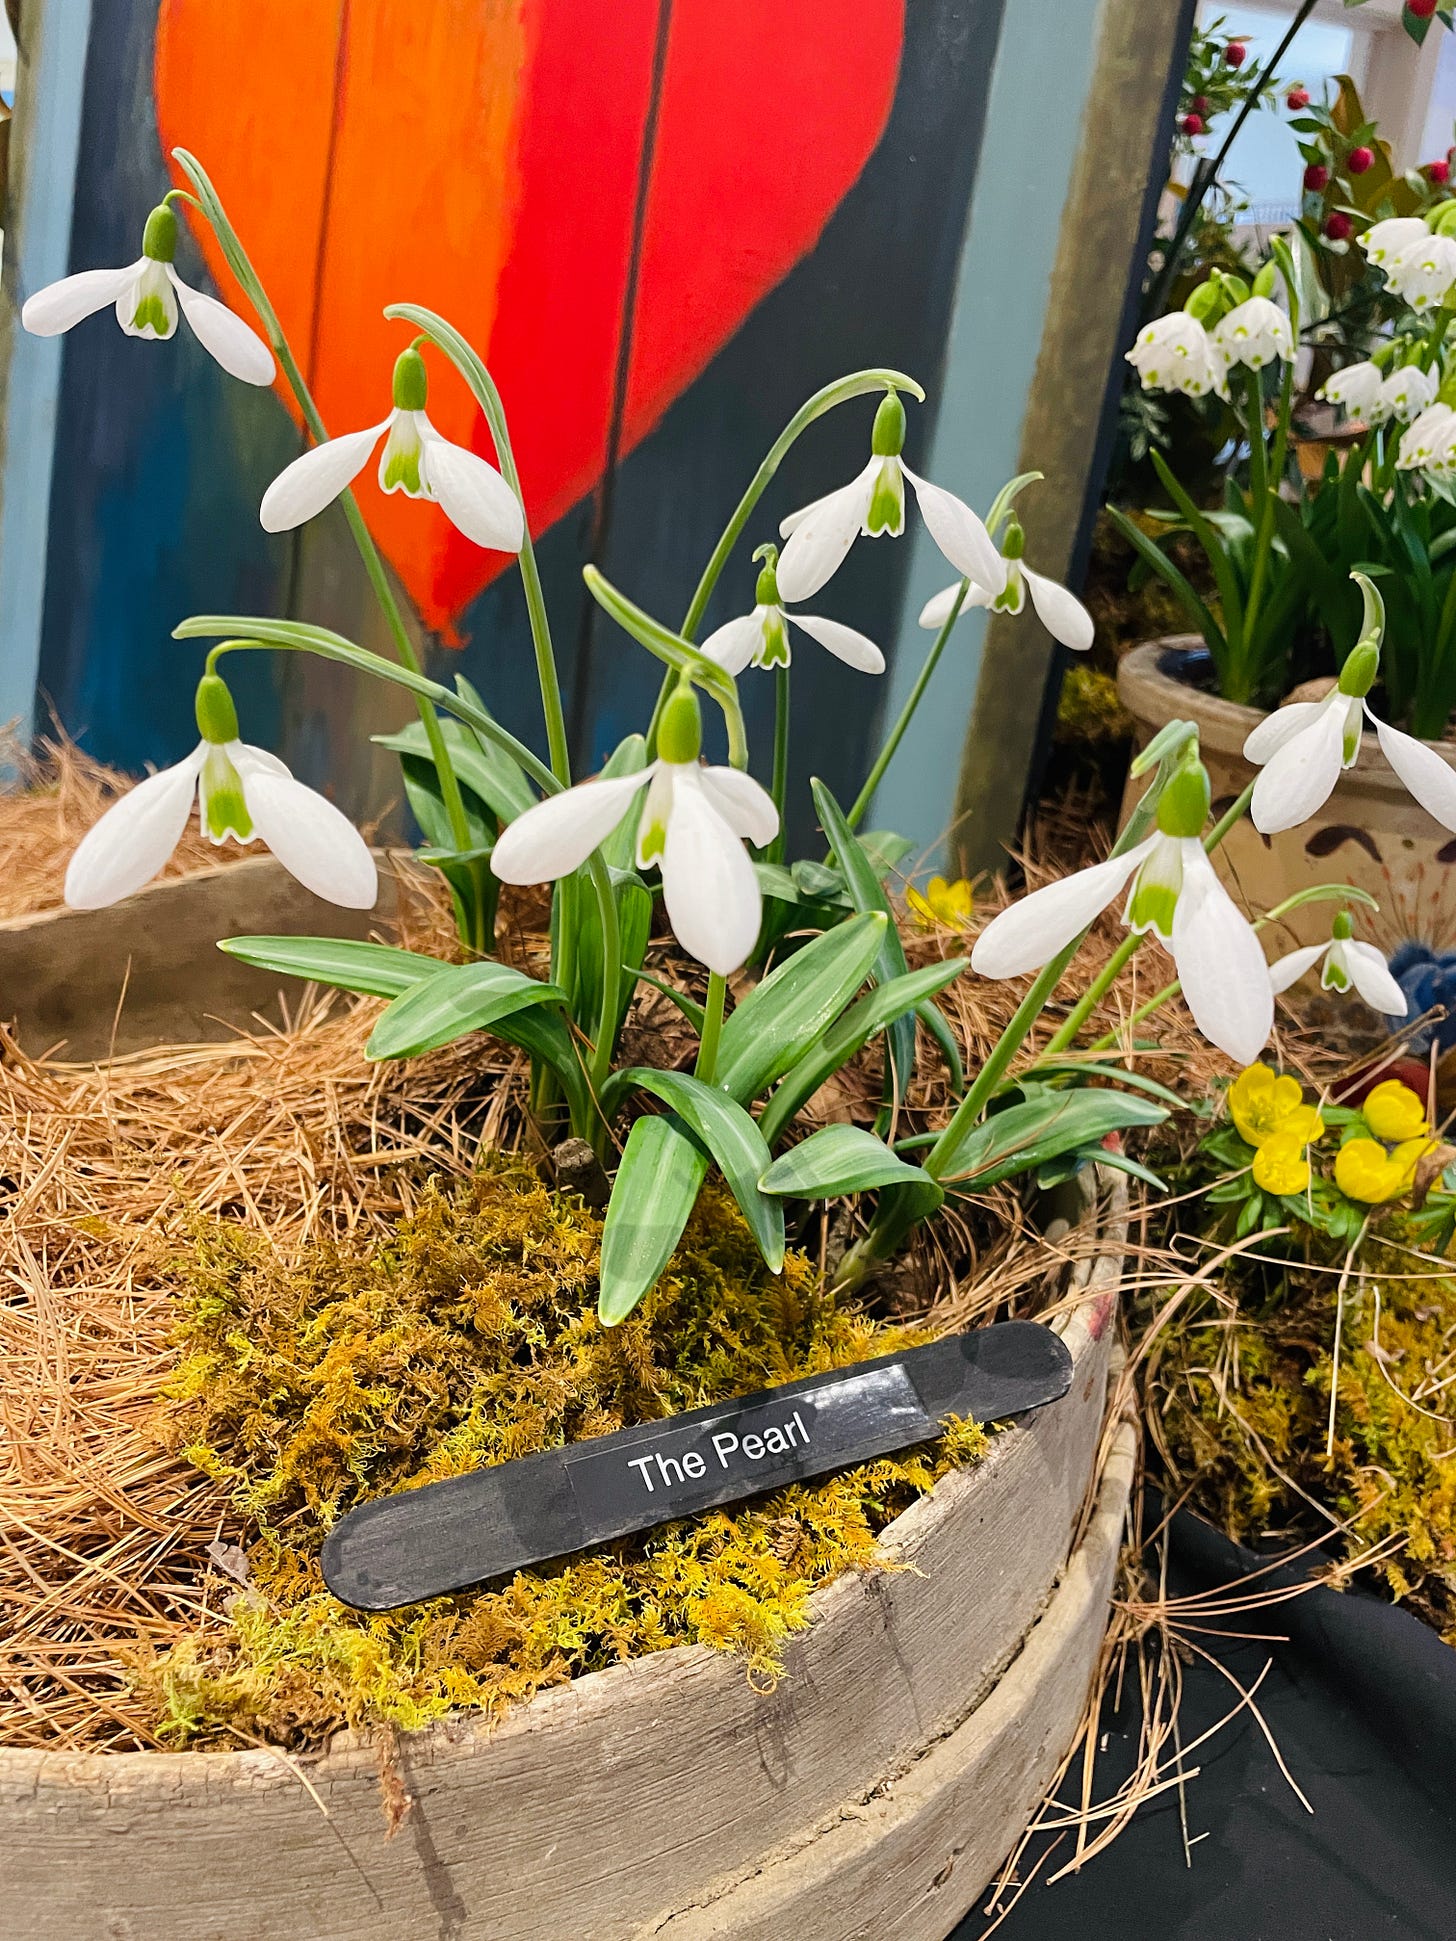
(482, 157)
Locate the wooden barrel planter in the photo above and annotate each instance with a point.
(874, 1790)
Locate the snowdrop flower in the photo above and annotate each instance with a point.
(1300, 749)
(761, 638)
(1429, 445)
(694, 824)
(147, 295)
(1060, 612)
(416, 460)
(1175, 894)
(819, 536)
(1367, 392)
(242, 792)
(1253, 333)
(1424, 271)
(1175, 353)
(1348, 965)
(1384, 241)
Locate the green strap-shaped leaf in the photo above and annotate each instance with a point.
(874, 1011)
(1086, 1068)
(779, 1021)
(629, 757)
(868, 894)
(374, 970)
(734, 1141)
(1196, 608)
(657, 1185)
(938, 1026)
(1025, 1136)
(839, 1159)
(489, 771)
(457, 999)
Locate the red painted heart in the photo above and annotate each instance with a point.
(482, 157)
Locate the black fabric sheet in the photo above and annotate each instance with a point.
(1362, 1702)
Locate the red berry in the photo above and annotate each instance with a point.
(1359, 159)
(1316, 177)
(1438, 171)
(1193, 124)
(1422, 9)
(1297, 98)
(1199, 104)
(1236, 53)
(1338, 227)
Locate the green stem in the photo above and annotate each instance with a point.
(776, 849)
(601, 1059)
(483, 388)
(374, 568)
(707, 1066)
(907, 713)
(840, 392)
(679, 655)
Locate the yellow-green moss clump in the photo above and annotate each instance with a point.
(1245, 1407)
(470, 1337)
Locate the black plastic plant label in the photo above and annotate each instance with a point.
(471, 1529)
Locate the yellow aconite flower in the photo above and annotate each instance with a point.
(1264, 1103)
(1367, 1172)
(1407, 1156)
(942, 903)
(1393, 1111)
(1280, 1165)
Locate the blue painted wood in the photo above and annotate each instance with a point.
(54, 64)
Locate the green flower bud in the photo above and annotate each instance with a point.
(1362, 664)
(411, 381)
(159, 238)
(1443, 222)
(1205, 302)
(1342, 929)
(1183, 805)
(1267, 281)
(217, 718)
(888, 437)
(680, 732)
(1013, 540)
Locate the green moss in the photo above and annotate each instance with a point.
(305, 1387)
(1245, 1405)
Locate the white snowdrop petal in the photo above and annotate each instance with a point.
(854, 649)
(302, 489)
(557, 835)
(131, 842)
(314, 841)
(1060, 612)
(1225, 978)
(223, 334)
(1032, 931)
(734, 644)
(1285, 971)
(960, 534)
(1277, 728)
(473, 495)
(822, 535)
(745, 805)
(708, 884)
(60, 305)
(937, 609)
(1429, 779)
(1370, 974)
(1300, 777)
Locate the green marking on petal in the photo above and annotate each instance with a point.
(1152, 907)
(151, 314)
(402, 472)
(887, 501)
(651, 842)
(1334, 978)
(774, 647)
(224, 811)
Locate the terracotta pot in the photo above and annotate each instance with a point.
(876, 1789)
(1370, 833)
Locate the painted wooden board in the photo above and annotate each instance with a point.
(635, 1792)
(664, 222)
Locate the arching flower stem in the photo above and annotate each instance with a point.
(237, 259)
(856, 385)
